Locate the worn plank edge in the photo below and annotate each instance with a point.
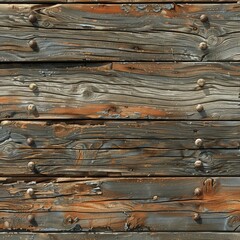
(120, 235)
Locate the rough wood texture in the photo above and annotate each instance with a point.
(173, 32)
(127, 2)
(134, 204)
(125, 148)
(119, 236)
(121, 91)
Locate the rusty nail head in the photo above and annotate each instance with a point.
(203, 18)
(32, 18)
(197, 191)
(32, 44)
(30, 141)
(198, 142)
(198, 164)
(30, 218)
(199, 108)
(33, 86)
(30, 192)
(203, 46)
(31, 166)
(196, 216)
(201, 82)
(31, 107)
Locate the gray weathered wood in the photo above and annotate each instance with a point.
(172, 32)
(125, 204)
(121, 91)
(125, 148)
(121, 236)
(183, 18)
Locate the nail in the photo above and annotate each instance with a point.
(203, 46)
(198, 164)
(32, 44)
(198, 142)
(30, 141)
(33, 86)
(31, 108)
(30, 218)
(32, 18)
(155, 198)
(31, 166)
(6, 224)
(196, 216)
(197, 191)
(201, 82)
(203, 18)
(199, 108)
(30, 192)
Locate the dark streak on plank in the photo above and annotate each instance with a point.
(121, 91)
(125, 204)
(173, 32)
(120, 148)
(121, 236)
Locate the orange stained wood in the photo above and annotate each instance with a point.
(97, 110)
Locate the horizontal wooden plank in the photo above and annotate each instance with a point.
(120, 91)
(134, 204)
(120, 235)
(120, 148)
(173, 32)
(145, 17)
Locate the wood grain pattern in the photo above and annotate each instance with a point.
(126, 204)
(118, 236)
(120, 148)
(127, 2)
(121, 91)
(184, 18)
(134, 32)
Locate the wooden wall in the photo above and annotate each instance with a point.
(119, 120)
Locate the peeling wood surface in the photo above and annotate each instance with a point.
(121, 91)
(120, 148)
(118, 236)
(126, 204)
(153, 32)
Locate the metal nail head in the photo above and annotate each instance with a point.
(198, 142)
(203, 46)
(30, 192)
(33, 86)
(31, 166)
(199, 108)
(203, 18)
(197, 192)
(198, 164)
(32, 18)
(201, 82)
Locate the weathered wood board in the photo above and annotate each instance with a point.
(118, 93)
(152, 32)
(120, 235)
(120, 148)
(126, 204)
(121, 91)
(184, 18)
